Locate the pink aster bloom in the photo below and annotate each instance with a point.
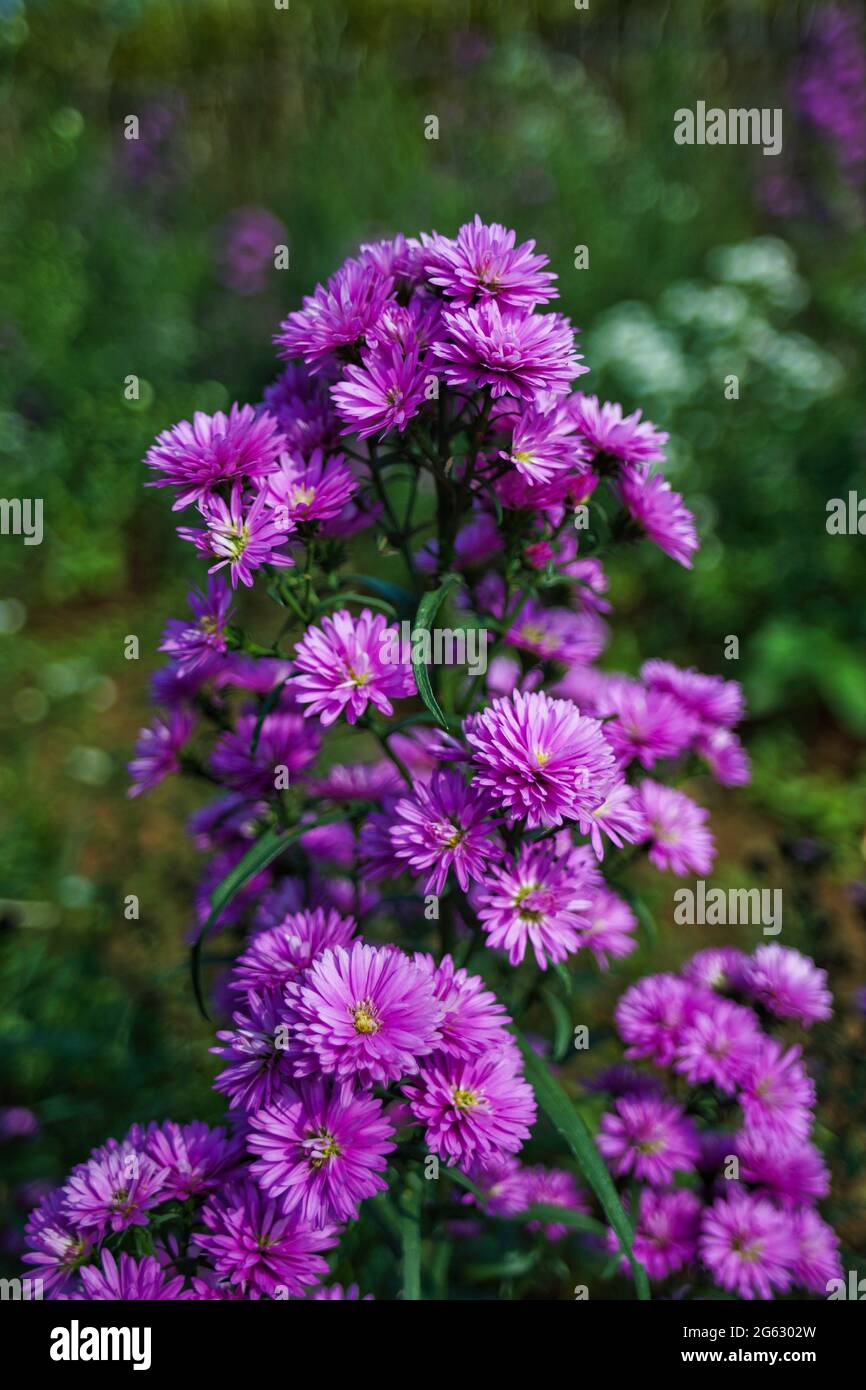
(676, 830)
(241, 536)
(474, 1021)
(817, 1252)
(557, 634)
(648, 1137)
(660, 513)
(279, 954)
(335, 317)
(709, 698)
(367, 1013)
(536, 901)
(540, 757)
(718, 1045)
(260, 1051)
(475, 1109)
(253, 1243)
(726, 757)
(544, 444)
(198, 645)
(649, 724)
(748, 1246)
(609, 927)
(717, 968)
(286, 745)
(114, 1189)
(315, 487)
(235, 448)
(623, 437)
(553, 1187)
(130, 1280)
(513, 353)
(617, 815)
(791, 1171)
(56, 1247)
(195, 1157)
(301, 404)
(384, 393)
(445, 825)
(336, 1293)
(157, 752)
(482, 262)
(789, 984)
(322, 1149)
(344, 667)
(654, 1013)
(666, 1234)
(777, 1095)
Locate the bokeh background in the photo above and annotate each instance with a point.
(154, 258)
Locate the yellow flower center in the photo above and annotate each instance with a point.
(541, 757)
(303, 496)
(364, 1017)
(465, 1099)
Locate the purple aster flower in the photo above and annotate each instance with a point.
(648, 1137)
(748, 1246)
(384, 393)
(777, 1095)
(445, 825)
(366, 1012)
(250, 238)
(302, 406)
(314, 487)
(242, 537)
(239, 447)
(279, 954)
(710, 699)
(130, 1280)
(609, 927)
(649, 724)
(817, 1260)
(544, 444)
(557, 634)
(260, 1051)
(56, 1247)
(474, 1021)
(717, 968)
(199, 645)
(553, 1187)
(285, 741)
(336, 1293)
(322, 1149)
(727, 758)
(214, 873)
(157, 752)
(376, 849)
(540, 757)
(791, 1171)
(789, 984)
(114, 1189)
(830, 87)
(660, 513)
(358, 782)
(676, 830)
(618, 815)
(195, 1157)
(653, 1015)
(474, 1109)
(537, 900)
(253, 1243)
(513, 353)
(482, 263)
(336, 317)
(626, 438)
(719, 1045)
(667, 1229)
(345, 666)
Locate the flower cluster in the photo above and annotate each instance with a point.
(428, 393)
(729, 1179)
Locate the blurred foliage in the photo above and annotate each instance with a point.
(553, 120)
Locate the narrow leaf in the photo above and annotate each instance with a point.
(427, 610)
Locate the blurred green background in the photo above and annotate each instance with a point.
(143, 258)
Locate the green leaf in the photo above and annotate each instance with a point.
(562, 1033)
(411, 1244)
(257, 857)
(427, 610)
(334, 599)
(560, 1111)
(401, 598)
